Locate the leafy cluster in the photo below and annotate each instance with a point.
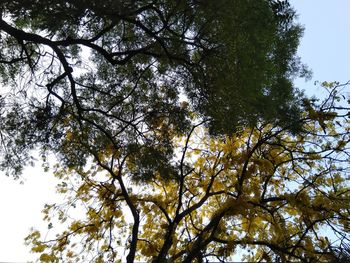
(178, 134)
(262, 190)
(132, 73)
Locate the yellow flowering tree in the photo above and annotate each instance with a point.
(262, 193)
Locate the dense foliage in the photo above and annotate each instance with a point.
(178, 134)
(262, 193)
(127, 73)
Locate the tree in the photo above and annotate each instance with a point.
(262, 190)
(116, 72)
(171, 113)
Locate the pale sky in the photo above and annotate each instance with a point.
(325, 47)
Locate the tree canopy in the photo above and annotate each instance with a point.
(178, 133)
(129, 72)
(261, 192)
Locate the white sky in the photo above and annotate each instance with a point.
(325, 48)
